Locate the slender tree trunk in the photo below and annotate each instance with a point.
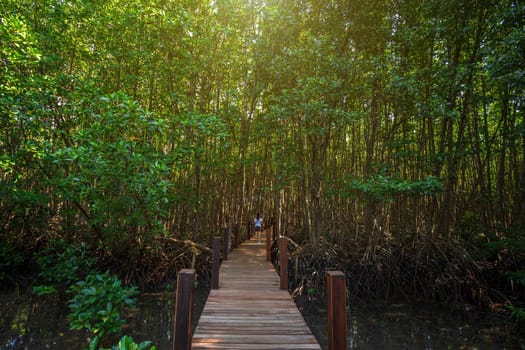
(500, 180)
(520, 200)
(371, 135)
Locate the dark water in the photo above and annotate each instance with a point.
(418, 326)
(35, 323)
(40, 323)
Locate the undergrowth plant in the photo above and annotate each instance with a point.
(125, 343)
(98, 302)
(512, 245)
(62, 263)
(518, 277)
(517, 312)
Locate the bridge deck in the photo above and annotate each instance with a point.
(248, 311)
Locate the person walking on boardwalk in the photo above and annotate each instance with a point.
(258, 221)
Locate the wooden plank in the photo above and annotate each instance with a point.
(249, 311)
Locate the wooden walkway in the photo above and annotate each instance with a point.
(249, 311)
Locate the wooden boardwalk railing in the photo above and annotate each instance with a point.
(249, 311)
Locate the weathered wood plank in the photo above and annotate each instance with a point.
(249, 311)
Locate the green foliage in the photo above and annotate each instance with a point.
(116, 169)
(44, 290)
(18, 50)
(513, 241)
(505, 52)
(516, 276)
(384, 188)
(97, 303)
(124, 123)
(311, 292)
(63, 262)
(517, 312)
(125, 343)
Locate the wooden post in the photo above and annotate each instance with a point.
(183, 308)
(237, 238)
(231, 233)
(216, 262)
(283, 262)
(336, 310)
(225, 243)
(238, 228)
(269, 231)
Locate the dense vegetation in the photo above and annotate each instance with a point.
(386, 137)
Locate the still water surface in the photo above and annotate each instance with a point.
(42, 325)
(418, 326)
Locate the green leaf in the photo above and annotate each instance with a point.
(43, 290)
(93, 344)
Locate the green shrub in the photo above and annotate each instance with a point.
(98, 302)
(384, 188)
(125, 343)
(517, 312)
(63, 262)
(516, 276)
(43, 290)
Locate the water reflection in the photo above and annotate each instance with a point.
(20, 318)
(403, 326)
(34, 324)
(153, 319)
(29, 324)
(43, 325)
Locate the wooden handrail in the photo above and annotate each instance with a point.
(283, 262)
(226, 243)
(216, 262)
(269, 232)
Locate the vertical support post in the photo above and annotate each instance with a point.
(216, 262)
(336, 310)
(230, 228)
(183, 309)
(237, 235)
(225, 243)
(283, 262)
(238, 228)
(269, 232)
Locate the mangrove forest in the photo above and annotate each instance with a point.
(384, 138)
